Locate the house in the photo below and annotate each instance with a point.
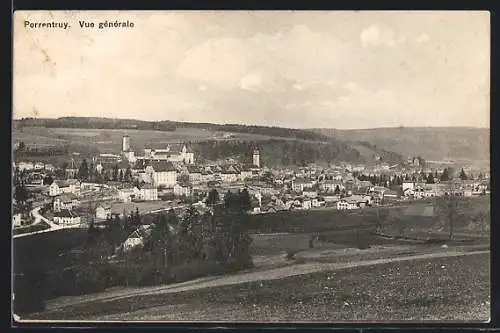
(39, 166)
(66, 218)
(25, 166)
(59, 187)
(408, 185)
(182, 190)
(306, 204)
(127, 194)
(194, 174)
(331, 186)
(65, 201)
(162, 173)
(299, 184)
(16, 220)
(229, 175)
(345, 204)
(149, 193)
(310, 193)
(207, 175)
(103, 212)
(245, 172)
(331, 198)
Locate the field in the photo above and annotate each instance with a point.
(453, 288)
(110, 140)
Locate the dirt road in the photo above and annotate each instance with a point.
(244, 277)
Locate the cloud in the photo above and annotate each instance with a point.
(251, 81)
(377, 35)
(423, 38)
(218, 61)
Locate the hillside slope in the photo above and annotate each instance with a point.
(432, 143)
(279, 145)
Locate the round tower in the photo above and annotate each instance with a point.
(126, 143)
(256, 158)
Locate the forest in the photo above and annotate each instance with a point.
(277, 152)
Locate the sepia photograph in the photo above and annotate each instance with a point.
(251, 166)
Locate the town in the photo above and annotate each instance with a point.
(109, 185)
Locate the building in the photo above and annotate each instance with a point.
(331, 186)
(149, 193)
(125, 144)
(309, 193)
(16, 220)
(60, 187)
(345, 204)
(173, 153)
(65, 201)
(182, 190)
(256, 158)
(164, 173)
(299, 184)
(194, 174)
(66, 218)
(229, 175)
(103, 212)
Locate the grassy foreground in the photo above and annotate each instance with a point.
(454, 288)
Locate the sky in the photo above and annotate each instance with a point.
(302, 69)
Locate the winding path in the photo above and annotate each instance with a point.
(244, 277)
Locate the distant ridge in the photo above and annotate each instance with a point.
(309, 144)
(432, 143)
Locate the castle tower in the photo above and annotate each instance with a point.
(256, 158)
(126, 143)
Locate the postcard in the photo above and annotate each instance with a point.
(251, 166)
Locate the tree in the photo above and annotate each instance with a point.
(213, 197)
(463, 175)
(48, 180)
(116, 170)
(120, 176)
(445, 175)
(128, 174)
(244, 201)
(430, 179)
(337, 190)
(83, 170)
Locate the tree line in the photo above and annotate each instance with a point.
(277, 152)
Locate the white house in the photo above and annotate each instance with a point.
(162, 173)
(345, 204)
(65, 218)
(54, 189)
(127, 194)
(182, 190)
(16, 220)
(25, 166)
(408, 185)
(60, 187)
(102, 212)
(310, 193)
(306, 204)
(149, 193)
